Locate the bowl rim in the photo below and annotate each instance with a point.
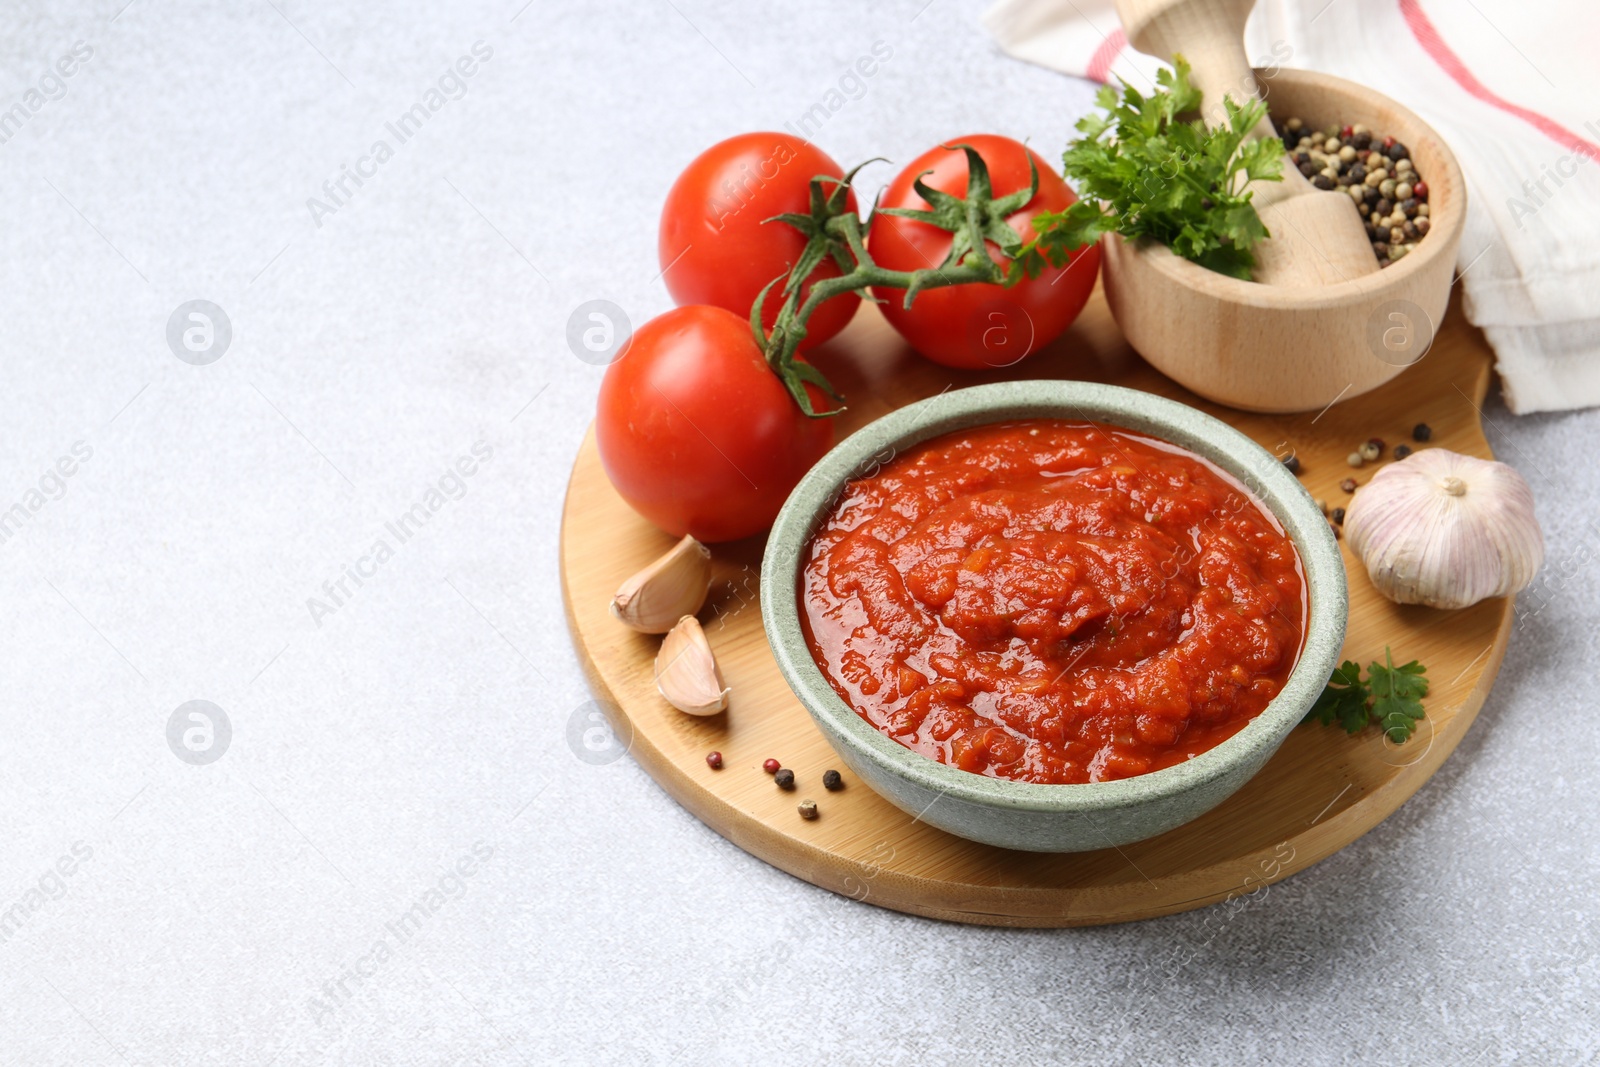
(1265, 476)
(1443, 238)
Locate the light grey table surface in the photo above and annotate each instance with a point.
(249, 911)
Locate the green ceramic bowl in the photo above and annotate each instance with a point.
(1024, 815)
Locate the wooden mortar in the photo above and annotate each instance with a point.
(1275, 349)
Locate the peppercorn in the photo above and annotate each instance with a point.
(784, 778)
(1292, 461)
(1338, 516)
(1409, 206)
(1396, 150)
(1358, 172)
(807, 809)
(1322, 506)
(1308, 168)
(1384, 207)
(1348, 485)
(1423, 225)
(1421, 432)
(1294, 125)
(714, 760)
(1336, 534)
(831, 781)
(771, 766)
(1381, 248)
(1402, 451)
(1420, 190)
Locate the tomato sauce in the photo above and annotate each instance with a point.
(1052, 601)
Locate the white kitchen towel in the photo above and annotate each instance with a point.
(1511, 86)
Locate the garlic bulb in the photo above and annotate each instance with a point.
(664, 592)
(1446, 530)
(686, 671)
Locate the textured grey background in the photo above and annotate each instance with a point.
(230, 913)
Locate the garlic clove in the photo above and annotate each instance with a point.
(675, 585)
(1445, 530)
(686, 671)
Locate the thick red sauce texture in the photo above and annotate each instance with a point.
(1052, 601)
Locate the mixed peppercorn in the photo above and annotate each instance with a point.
(784, 779)
(1368, 451)
(1374, 171)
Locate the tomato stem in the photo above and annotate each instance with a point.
(834, 232)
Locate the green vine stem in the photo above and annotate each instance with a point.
(833, 231)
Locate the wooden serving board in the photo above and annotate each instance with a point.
(1321, 791)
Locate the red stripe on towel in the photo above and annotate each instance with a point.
(1442, 54)
(1106, 54)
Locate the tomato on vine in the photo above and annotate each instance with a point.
(695, 430)
(980, 324)
(716, 246)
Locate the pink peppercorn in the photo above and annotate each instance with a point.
(771, 766)
(714, 760)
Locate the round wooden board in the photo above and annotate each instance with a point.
(1321, 791)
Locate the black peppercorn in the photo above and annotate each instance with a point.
(1357, 172)
(1381, 248)
(1292, 461)
(1322, 181)
(1338, 516)
(1348, 485)
(784, 778)
(1361, 141)
(1308, 168)
(1385, 207)
(1402, 451)
(1421, 432)
(831, 781)
(1398, 151)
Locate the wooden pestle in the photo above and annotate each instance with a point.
(1317, 236)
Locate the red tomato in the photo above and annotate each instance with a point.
(976, 326)
(714, 247)
(697, 433)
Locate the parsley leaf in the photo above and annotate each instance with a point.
(1397, 694)
(1391, 698)
(1343, 699)
(1144, 171)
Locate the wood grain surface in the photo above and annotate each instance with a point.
(1321, 791)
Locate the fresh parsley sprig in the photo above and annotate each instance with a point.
(1145, 170)
(1391, 698)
